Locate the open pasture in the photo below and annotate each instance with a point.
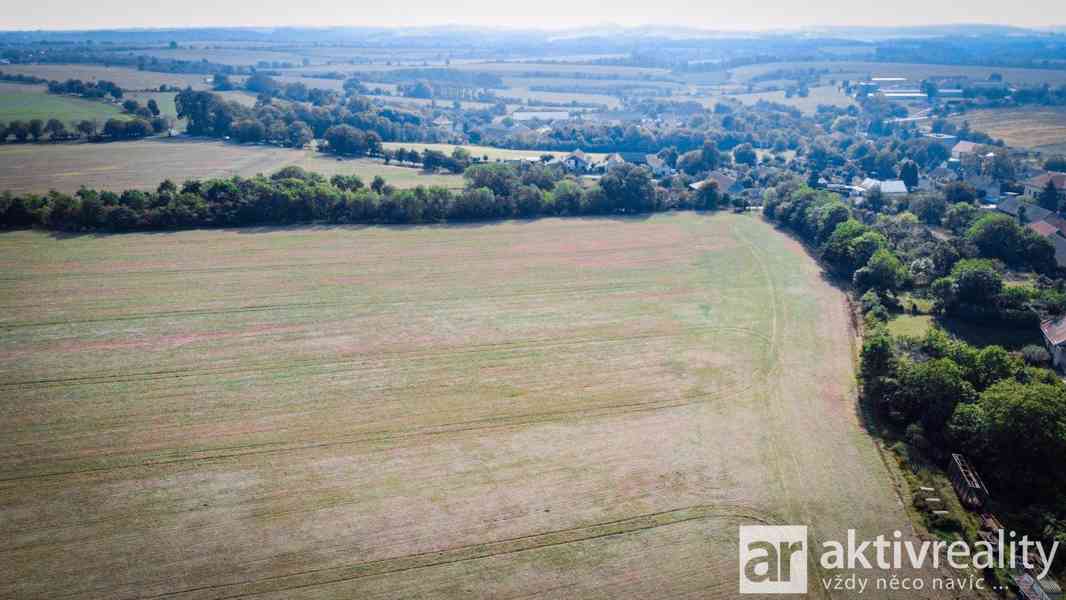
(145, 164)
(25, 102)
(579, 408)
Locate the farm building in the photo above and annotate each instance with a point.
(968, 485)
(1054, 332)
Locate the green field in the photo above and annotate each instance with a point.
(23, 102)
(164, 99)
(127, 79)
(145, 164)
(580, 408)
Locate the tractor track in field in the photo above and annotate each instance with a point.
(368, 357)
(483, 424)
(528, 543)
(546, 292)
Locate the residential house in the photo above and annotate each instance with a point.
(444, 123)
(1054, 332)
(987, 188)
(1013, 205)
(942, 175)
(727, 184)
(612, 161)
(1035, 186)
(962, 149)
(1039, 220)
(577, 162)
(658, 166)
(1043, 228)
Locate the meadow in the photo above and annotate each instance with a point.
(557, 408)
(145, 164)
(26, 102)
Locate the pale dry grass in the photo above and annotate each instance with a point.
(582, 408)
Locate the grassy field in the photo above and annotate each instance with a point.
(25, 102)
(127, 79)
(145, 164)
(1039, 127)
(581, 408)
(165, 100)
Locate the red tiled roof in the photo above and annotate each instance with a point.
(1043, 228)
(1040, 181)
(1054, 330)
(1057, 222)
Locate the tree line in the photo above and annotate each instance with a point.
(56, 130)
(292, 195)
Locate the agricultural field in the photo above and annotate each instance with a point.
(555, 408)
(913, 72)
(225, 56)
(145, 164)
(829, 95)
(1040, 128)
(25, 102)
(533, 96)
(493, 154)
(127, 79)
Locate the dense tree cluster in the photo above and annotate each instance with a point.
(21, 78)
(58, 131)
(297, 123)
(963, 276)
(86, 89)
(1005, 411)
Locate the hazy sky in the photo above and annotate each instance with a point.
(707, 14)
